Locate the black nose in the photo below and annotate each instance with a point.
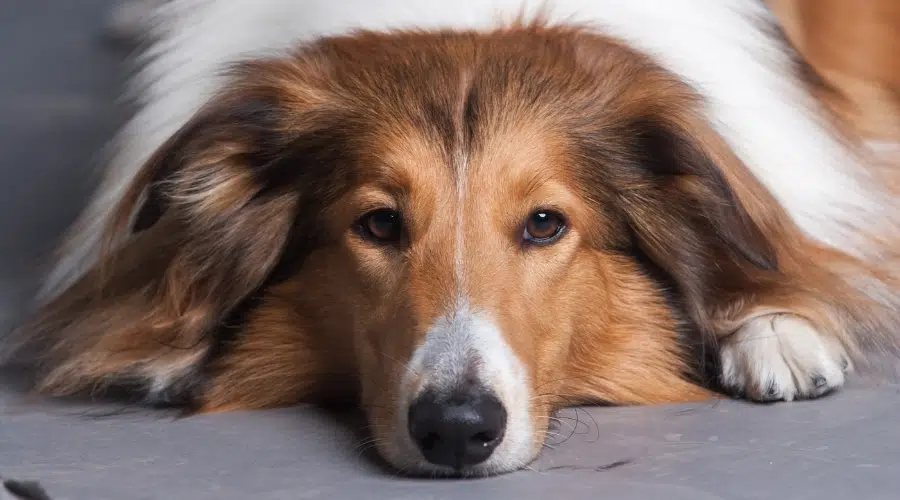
(457, 430)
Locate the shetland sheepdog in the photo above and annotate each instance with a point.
(465, 214)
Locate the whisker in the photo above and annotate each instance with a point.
(405, 366)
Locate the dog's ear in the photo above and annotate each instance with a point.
(198, 232)
(678, 188)
(687, 217)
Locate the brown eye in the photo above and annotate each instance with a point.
(384, 225)
(544, 227)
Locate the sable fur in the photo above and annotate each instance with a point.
(851, 47)
(230, 274)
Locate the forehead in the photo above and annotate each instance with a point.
(520, 156)
(445, 108)
(420, 115)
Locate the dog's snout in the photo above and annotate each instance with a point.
(457, 431)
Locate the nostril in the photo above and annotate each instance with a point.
(484, 437)
(429, 441)
(482, 443)
(458, 430)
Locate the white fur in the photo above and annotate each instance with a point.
(464, 340)
(782, 357)
(720, 46)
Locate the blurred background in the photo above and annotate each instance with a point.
(59, 77)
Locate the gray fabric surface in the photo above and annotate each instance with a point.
(57, 84)
(837, 448)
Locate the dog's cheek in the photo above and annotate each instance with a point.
(379, 392)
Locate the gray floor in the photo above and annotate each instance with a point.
(57, 80)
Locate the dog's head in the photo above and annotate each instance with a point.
(476, 228)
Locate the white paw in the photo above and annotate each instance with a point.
(781, 357)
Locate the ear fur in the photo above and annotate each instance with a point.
(735, 253)
(725, 245)
(687, 218)
(200, 230)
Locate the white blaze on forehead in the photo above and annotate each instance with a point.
(461, 159)
(464, 347)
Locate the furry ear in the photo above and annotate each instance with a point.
(199, 231)
(687, 218)
(656, 167)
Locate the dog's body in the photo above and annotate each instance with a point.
(702, 200)
(852, 47)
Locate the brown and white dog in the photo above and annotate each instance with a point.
(469, 213)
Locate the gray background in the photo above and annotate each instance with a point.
(57, 85)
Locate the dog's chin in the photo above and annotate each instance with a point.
(417, 467)
(404, 459)
(430, 471)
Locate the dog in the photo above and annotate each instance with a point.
(464, 215)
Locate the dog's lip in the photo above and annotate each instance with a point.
(448, 473)
(412, 464)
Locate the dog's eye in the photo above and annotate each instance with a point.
(544, 227)
(383, 225)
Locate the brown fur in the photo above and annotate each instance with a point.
(249, 284)
(852, 47)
